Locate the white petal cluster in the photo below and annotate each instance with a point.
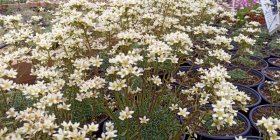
(226, 95)
(126, 114)
(271, 125)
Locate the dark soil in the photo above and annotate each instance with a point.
(206, 128)
(271, 74)
(251, 80)
(276, 62)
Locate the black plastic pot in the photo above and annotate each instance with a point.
(101, 127)
(270, 61)
(251, 71)
(253, 111)
(254, 138)
(242, 117)
(2, 45)
(252, 92)
(263, 62)
(260, 87)
(270, 68)
(245, 133)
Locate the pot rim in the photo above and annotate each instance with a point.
(268, 77)
(272, 59)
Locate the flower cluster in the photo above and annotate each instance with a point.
(213, 85)
(116, 59)
(271, 125)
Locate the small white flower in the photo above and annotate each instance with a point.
(156, 80)
(144, 120)
(183, 112)
(173, 107)
(126, 114)
(181, 73)
(11, 113)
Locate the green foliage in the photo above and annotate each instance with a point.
(245, 61)
(162, 125)
(238, 74)
(12, 1)
(241, 14)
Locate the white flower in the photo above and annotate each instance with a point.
(271, 125)
(93, 127)
(181, 73)
(3, 131)
(117, 85)
(183, 112)
(173, 107)
(144, 119)
(11, 113)
(198, 61)
(126, 114)
(156, 80)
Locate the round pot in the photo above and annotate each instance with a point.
(273, 54)
(254, 110)
(245, 133)
(253, 93)
(203, 136)
(260, 87)
(253, 72)
(267, 76)
(263, 63)
(271, 60)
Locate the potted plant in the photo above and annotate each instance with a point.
(270, 91)
(112, 63)
(210, 121)
(247, 77)
(262, 118)
(272, 73)
(274, 45)
(275, 62)
(246, 40)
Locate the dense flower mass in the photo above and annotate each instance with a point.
(271, 125)
(117, 59)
